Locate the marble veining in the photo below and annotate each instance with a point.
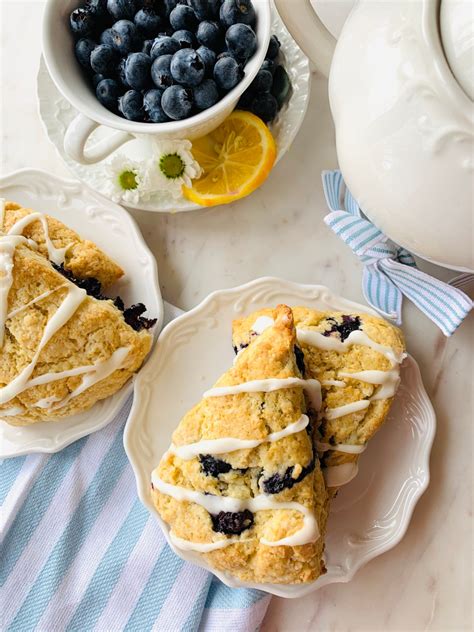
(425, 583)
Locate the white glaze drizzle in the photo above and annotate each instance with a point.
(262, 323)
(73, 299)
(389, 381)
(333, 383)
(97, 372)
(56, 255)
(312, 387)
(8, 244)
(309, 532)
(39, 298)
(222, 446)
(341, 447)
(346, 409)
(11, 412)
(203, 547)
(338, 475)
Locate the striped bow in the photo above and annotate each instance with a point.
(389, 270)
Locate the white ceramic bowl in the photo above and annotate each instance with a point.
(371, 514)
(58, 50)
(111, 228)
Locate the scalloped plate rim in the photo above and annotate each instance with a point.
(142, 484)
(117, 401)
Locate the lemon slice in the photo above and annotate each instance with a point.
(236, 158)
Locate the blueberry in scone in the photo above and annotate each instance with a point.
(240, 484)
(356, 359)
(64, 345)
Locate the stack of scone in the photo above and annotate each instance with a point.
(63, 344)
(247, 480)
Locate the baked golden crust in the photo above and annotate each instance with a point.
(83, 258)
(355, 428)
(251, 416)
(93, 333)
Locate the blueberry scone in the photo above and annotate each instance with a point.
(63, 345)
(240, 485)
(356, 359)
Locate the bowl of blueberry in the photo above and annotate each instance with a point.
(171, 68)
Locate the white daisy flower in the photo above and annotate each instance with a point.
(173, 166)
(127, 180)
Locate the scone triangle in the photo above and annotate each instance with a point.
(240, 484)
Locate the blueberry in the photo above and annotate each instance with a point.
(237, 12)
(137, 70)
(97, 78)
(241, 41)
(147, 22)
(164, 45)
(99, 7)
(122, 9)
(206, 94)
(269, 65)
(345, 328)
(210, 34)
(232, 523)
(281, 86)
(208, 57)
(262, 82)
(161, 73)
(82, 22)
(177, 102)
(299, 358)
(169, 5)
(146, 48)
(185, 39)
(133, 317)
(120, 73)
(84, 48)
(273, 47)
(152, 105)
(183, 17)
(103, 60)
(227, 73)
(225, 53)
(107, 38)
(212, 466)
(264, 106)
(108, 92)
(131, 106)
(245, 100)
(125, 36)
(204, 8)
(277, 482)
(187, 67)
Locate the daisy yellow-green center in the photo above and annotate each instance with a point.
(172, 166)
(128, 180)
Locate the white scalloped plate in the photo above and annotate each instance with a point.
(371, 514)
(56, 113)
(111, 228)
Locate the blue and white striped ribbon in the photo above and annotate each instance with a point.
(389, 270)
(80, 552)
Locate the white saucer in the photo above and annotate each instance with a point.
(111, 228)
(371, 514)
(56, 113)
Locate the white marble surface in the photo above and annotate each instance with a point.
(425, 583)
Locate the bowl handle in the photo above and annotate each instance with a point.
(308, 31)
(77, 135)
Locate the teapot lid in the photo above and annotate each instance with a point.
(457, 36)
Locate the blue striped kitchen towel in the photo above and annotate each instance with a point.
(390, 272)
(80, 552)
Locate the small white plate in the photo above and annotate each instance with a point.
(56, 114)
(371, 514)
(111, 228)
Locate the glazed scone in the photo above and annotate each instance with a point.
(356, 359)
(254, 510)
(61, 350)
(83, 258)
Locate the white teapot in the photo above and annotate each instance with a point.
(403, 115)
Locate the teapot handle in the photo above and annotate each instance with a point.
(308, 31)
